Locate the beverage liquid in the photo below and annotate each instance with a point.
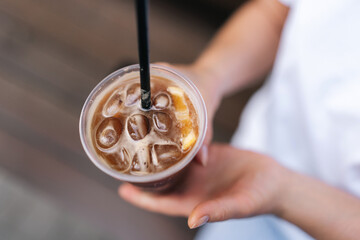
(139, 142)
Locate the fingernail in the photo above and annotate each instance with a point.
(204, 155)
(200, 222)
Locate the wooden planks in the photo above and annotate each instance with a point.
(52, 53)
(26, 213)
(111, 35)
(85, 196)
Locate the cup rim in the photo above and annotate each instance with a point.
(149, 177)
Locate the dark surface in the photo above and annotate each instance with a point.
(52, 53)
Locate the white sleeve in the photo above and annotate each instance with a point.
(287, 2)
(343, 112)
(350, 157)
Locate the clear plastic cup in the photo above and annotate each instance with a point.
(159, 181)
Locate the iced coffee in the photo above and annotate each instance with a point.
(149, 148)
(139, 142)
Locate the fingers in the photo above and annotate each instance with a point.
(202, 155)
(215, 210)
(165, 204)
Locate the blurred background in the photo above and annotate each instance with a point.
(52, 53)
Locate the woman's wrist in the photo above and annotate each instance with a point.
(313, 206)
(209, 84)
(286, 184)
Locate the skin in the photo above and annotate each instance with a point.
(236, 183)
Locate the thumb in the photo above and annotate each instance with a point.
(214, 210)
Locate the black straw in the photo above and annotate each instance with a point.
(143, 46)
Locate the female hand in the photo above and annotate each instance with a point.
(234, 184)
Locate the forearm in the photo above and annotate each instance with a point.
(322, 211)
(245, 48)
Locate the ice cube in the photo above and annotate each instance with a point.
(138, 126)
(167, 154)
(133, 94)
(113, 104)
(162, 101)
(108, 132)
(135, 165)
(162, 121)
(119, 161)
(141, 162)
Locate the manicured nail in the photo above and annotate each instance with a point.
(204, 155)
(200, 222)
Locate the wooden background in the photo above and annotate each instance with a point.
(52, 53)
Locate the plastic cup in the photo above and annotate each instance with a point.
(159, 181)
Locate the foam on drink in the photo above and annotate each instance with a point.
(139, 142)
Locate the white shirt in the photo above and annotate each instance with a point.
(307, 115)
